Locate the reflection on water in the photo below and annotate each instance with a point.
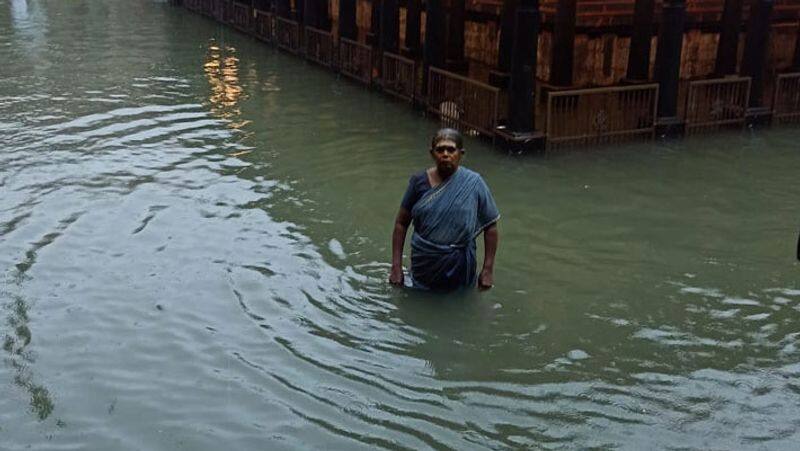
(19, 11)
(21, 358)
(222, 72)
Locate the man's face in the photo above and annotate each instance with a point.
(446, 155)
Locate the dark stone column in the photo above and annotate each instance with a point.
(728, 46)
(434, 53)
(324, 15)
(390, 26)
(283, 8)
(310, 13)
(499, 76)
(755, 46)
(641, 36)
(413, 9)
(299, 11)
(373, 36)
(455, 36)
(523, 69)
(668, 57)
(347, 20)
(796, 59)
(563, 43)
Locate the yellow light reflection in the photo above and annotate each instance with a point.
(222, 72)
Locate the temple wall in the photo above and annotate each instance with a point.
(600, 59)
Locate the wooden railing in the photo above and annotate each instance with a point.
(355, 60)
(462, 103)
(715, 104)
(264, 25)
(227, 11)
(242, 15)
(319, 46)
(399, 76)
(601, 115)
(287, 34)
(786, 104)
(207, 7)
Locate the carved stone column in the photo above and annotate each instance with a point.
(500, 75)
(434, 54)
(413, 10)
(728, 46)
(390, 26)
(755, 46)
(455, 36)
(668, 57)
(563, 43)
(348, 27)
(641, 37)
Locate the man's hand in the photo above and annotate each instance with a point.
(486, 279)
(396, 276)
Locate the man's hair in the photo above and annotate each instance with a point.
(447, 134)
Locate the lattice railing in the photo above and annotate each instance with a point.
(355, 60)
(462, 103)
(399, 76)
(601, 115)
(715, 104)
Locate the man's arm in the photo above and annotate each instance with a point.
(401, 223)
(490, 240)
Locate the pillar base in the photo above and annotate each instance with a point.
(530, 142)
(670, 127)
(499, 79)
(758, 117)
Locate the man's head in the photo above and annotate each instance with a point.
(447, 148)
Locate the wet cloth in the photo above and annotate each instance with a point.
(447, 219)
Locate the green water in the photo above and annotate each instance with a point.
(194, 243)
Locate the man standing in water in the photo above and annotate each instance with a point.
(449, 206)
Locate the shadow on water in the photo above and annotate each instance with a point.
(20, 358)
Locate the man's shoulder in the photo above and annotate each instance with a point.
(470, 173)
(419, 176)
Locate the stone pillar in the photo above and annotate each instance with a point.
(373, 35)
(283, 8)
(668, 57)
(390, 26)
(563, 43)
(455, 36)
(310, 13)
(324, 15)
(755, 46)
(499, 76)
(413, 10)
(299, 11)
(728, 46)
(348, 28)
(641, 37)
(796, 59)
(434, 52)
(523, 70)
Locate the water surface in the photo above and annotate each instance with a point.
(194, 243)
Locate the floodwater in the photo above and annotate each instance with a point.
(194, 243)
